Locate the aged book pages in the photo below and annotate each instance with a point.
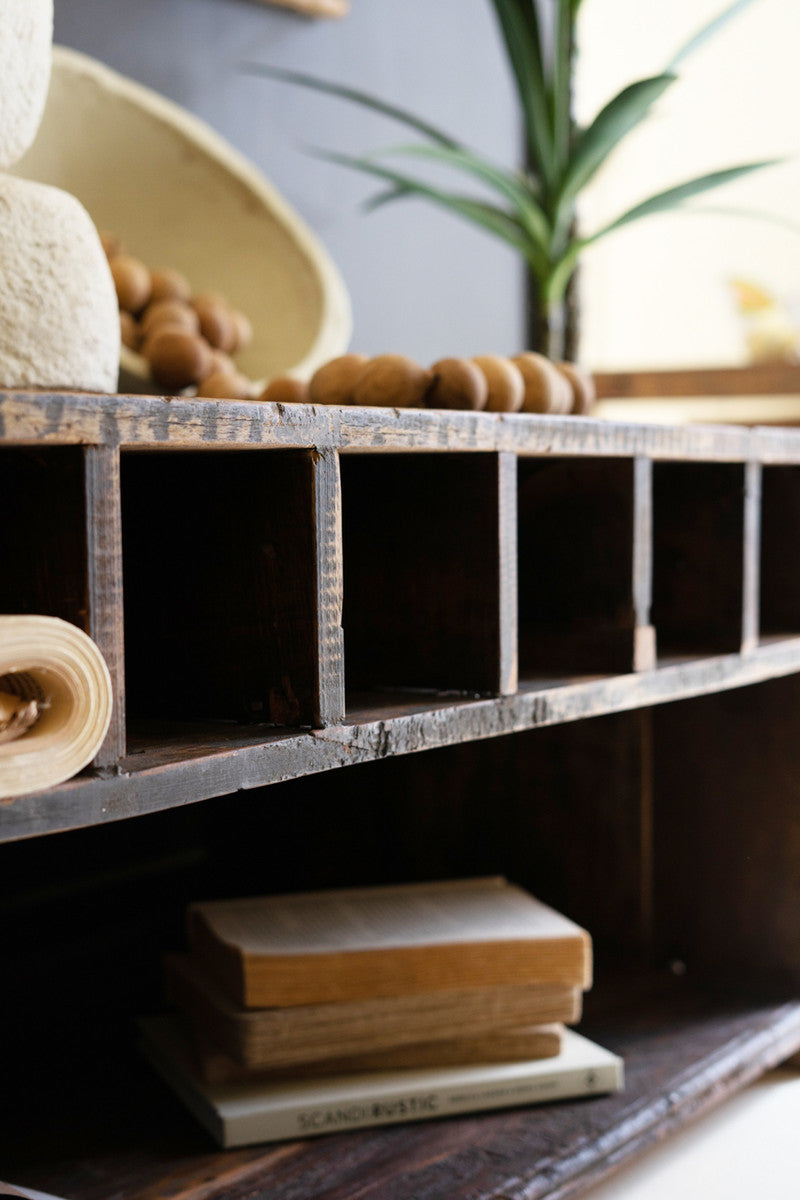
(279, 1037)
(237, 1114)
(57, 668)
(502, 1045)
(317, 947)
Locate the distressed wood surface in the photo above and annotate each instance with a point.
(762, 379)
(126, 1135)
(644, 652)
(698, 539)
(147, 421)
(751, 564)
(212, 760)
(507, 575)
(329, 708)
(104, 574)
(421, 572)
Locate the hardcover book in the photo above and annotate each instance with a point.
(243, 1113)
(350, 944)
(282, 1037)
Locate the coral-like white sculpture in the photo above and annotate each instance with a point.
(59, 320)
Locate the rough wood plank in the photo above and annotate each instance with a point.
(644, 650)
(508, 550)
(166, 779)
(154, 422)
(104, 569)
(698, 535)
(685, 1053)
(327, 504)
(763, 379)
(751, 565)
(779, 565)
(220, 586)
(43, 533)
(728, 835)
(576, 538)
(421, 572)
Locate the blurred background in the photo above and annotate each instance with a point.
(660, 293)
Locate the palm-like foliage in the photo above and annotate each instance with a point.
(532, 209)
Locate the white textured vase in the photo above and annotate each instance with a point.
(59, 325)
(26, 37)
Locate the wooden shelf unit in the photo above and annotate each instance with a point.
(283, 591)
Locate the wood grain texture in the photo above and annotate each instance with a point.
(576, 574)
(507, 575)
(698, 540)
(220, 585)
(104, 569)
(74, 418)
(329, 708)
(43, 558)
(779, 568)
(213, 760)
(422, 572)
(677, 1043)
(728, 835)
(763, 379)
(644, 650)
(751, 564)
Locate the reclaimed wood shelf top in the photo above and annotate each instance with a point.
(128, 1136)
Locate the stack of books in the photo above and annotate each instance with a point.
(305, 1013)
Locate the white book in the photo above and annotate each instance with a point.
(239, 1114)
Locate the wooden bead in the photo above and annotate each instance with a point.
(169, 312)
(132, 281)
(216, 323)
(505, 382)
(169, 284)
(457, 383)
(285, 390)
(581, 382)
(225, 385)
(546, 391)
(130, 333)
(178, 358)
(392, 380)
(333, 382)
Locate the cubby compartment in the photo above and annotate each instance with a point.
(43, 553)
(583, 566)
(220, 582)
(780, 560)
(699, 513)
(422, 574)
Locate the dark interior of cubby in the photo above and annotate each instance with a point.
(575, 529)
(780, 561)
(421, 572)
(43, 533)
(698, 557)
(648, 827)
(218, 562)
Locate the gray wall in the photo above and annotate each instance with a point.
(422, 282)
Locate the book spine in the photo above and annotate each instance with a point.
(382, 1108)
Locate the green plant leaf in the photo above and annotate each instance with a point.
(357, 97)
(494, 220)
(675, 196)
(557, 278)
(508, 184)
(562, 82)
(708, 31)
(519, 25)
(617, 119)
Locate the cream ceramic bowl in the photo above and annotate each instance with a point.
(179, 196)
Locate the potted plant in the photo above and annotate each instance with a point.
(534, 207)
